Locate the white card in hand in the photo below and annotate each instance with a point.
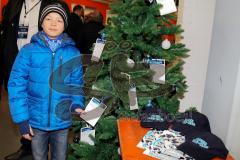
(168, 6)
(93, 111)
(85, 135)
(98, 49)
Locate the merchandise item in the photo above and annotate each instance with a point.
(203, 146)
(189, 122)
(163, 145)
(152, 117)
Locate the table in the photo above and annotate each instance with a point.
(130, 133)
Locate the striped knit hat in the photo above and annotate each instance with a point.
(58, 8)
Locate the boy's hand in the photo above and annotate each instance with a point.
(29, 135)
(80, 111)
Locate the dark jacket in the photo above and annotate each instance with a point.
(74, 29)
(9, 37)
(38, 99)
(1, 62)
(89, 34)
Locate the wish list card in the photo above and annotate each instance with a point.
(158, 66)
(168, 6)
(93, 111)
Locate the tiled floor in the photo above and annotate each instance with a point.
(9, 134)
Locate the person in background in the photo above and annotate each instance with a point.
(1, 54)
(1, 62)
(34, 105)
(20, 22)
(75, 24)
(79, 11)
(90, 31)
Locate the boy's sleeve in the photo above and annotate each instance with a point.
(77, 80)
(17, 89)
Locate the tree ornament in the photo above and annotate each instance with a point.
(130, 63)
(166, 44)
(149, 105)
(94, 87)
(76, 139)
(149, 2)
(119, 151)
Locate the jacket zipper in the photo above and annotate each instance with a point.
(60, 67)
(50, 92)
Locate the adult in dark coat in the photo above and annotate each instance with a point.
(1, 53)
(10, 29)
(90, 31)
(10, 26)
(75, 24)
(1, 62)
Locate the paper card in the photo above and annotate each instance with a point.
(98, 49)
(149, 138)
(167, 155)
(158, 155)
(94, 110)
(158, 66)
(165, 147)
(168, 6)
(162, 145)
(132, 93)
(85, 135)
(146, 141)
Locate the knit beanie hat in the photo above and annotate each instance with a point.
(56, 7)
(203, 146)
(153, 117)
(190, 121)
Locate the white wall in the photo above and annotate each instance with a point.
(233, 139)
(222, 91)
(197, 20)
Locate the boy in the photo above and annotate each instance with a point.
(34, 105)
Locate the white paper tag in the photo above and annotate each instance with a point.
(151, 1)
(158, 66)
(98, 49)
(159, 155)
(85, 135)
(132, 94)
(168, 6)
(94, 110)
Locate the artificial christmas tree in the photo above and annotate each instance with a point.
(133, 36)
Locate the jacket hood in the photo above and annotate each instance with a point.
(39, 38)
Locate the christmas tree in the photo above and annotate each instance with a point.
(136, 34)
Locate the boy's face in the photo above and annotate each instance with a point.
(53, 25)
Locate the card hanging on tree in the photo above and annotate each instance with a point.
(151, 1)
(168, 6)
(158, 66)
(85, 134)
(94, 110)
(98, 49)
(132, 93)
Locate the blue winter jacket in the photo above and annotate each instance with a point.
(44, 85)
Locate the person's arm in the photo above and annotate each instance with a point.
(17, 91)
(77, 80)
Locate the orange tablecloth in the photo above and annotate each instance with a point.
(130, 133)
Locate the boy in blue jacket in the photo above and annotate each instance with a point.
(36, 105)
